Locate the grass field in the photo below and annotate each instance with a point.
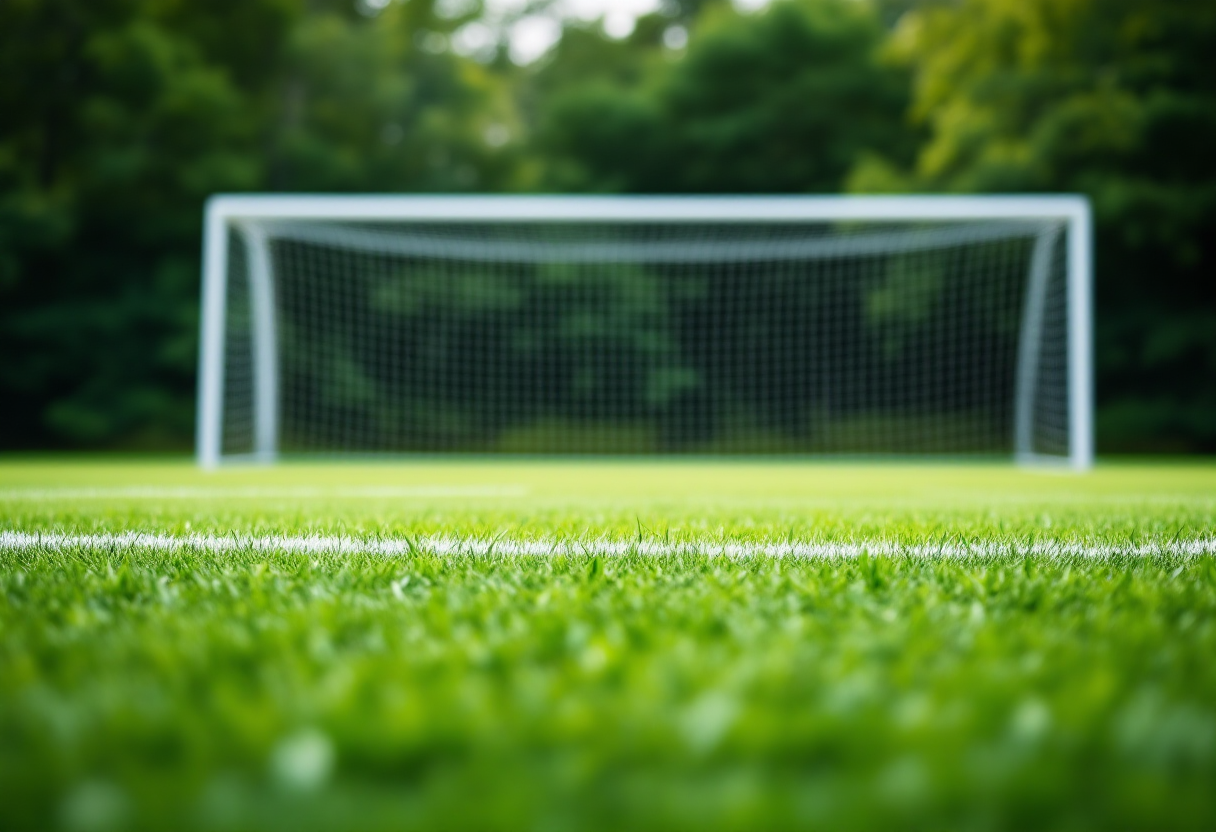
(564, 645)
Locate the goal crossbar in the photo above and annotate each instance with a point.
(704, 251)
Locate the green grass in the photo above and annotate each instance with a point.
(145, 687)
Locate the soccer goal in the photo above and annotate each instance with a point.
(909, 325)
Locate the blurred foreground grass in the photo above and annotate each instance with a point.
(152, 689)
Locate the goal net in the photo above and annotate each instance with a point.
(633, 325)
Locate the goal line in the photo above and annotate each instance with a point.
(454, 546)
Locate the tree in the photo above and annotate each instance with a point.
(1116, 99)
(785, 100)
(115, 127)
(119, 117)
(360, 105)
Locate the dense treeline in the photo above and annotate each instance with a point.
(118, 118)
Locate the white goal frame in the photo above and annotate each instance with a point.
(245, 213)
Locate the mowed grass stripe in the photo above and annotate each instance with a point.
(260, 492)
(451, 545)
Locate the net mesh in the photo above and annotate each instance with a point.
(581, 337)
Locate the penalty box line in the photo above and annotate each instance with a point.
(453, 546)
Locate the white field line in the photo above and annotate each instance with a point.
(506, 547)
(474, 490)
(259, 492)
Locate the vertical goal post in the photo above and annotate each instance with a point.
(250, 218)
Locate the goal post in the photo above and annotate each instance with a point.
(878, 325)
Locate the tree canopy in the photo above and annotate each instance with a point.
(783, 101)
(1114, 99)
(119, 117)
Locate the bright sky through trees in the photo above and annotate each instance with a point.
(532, 34)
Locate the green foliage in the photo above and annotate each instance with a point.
(1116, 100)
(119, 117)
(263, 689)
(104, 337)
(779, 101)
(363, 108)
